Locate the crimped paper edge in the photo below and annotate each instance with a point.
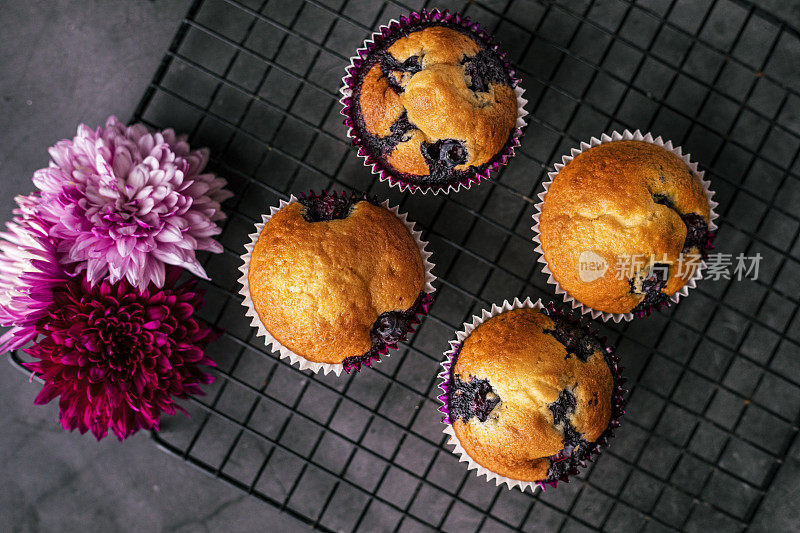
(626, 135)
(270, 341)
(346, 92)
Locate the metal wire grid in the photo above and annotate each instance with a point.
(715, 390)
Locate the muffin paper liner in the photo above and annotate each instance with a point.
(617, 407)
(349, 106)
(286, 353)
(624, 136)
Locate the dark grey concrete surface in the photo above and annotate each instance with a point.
(780, 508)
(62, 63)
(67, 62)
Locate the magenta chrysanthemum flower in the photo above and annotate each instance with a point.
(125, 202)
(117, 357)
(29, 270)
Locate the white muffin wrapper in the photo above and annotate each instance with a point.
(594, 141)
(272, 342)
(348, 82)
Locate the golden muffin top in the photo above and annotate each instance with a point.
(633, 205)
(434, 103)
(319, 285)
(528, 390)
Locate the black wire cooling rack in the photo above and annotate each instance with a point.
(715, 381)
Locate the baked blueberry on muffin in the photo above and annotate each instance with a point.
(630, 207)
(432, 103)
(531, 395)
(337, 279)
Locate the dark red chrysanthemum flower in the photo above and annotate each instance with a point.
(117, 356)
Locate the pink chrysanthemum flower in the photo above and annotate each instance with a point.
(29, 270)
(125, 202)
(117, 356)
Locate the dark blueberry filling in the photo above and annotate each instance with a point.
(696, 226)
(400, 132)
(578, 342)
(563, 407)
(390, 65)
(576, 448)
(663, 199)
(332, 206)
(443, 156)
(651, 300)
(651, 287)
(387, 330)
(390, 327)
(696, 232)
(657, 280)
(474, 397)
(483, 69)
(322, 208)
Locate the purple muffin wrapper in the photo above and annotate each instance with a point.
(349, 106)
(624, 136)
(297, 359)
(617, 408)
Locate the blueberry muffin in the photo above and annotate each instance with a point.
(433, 103)
(531, 395)
(634, 205)
(337, 279)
